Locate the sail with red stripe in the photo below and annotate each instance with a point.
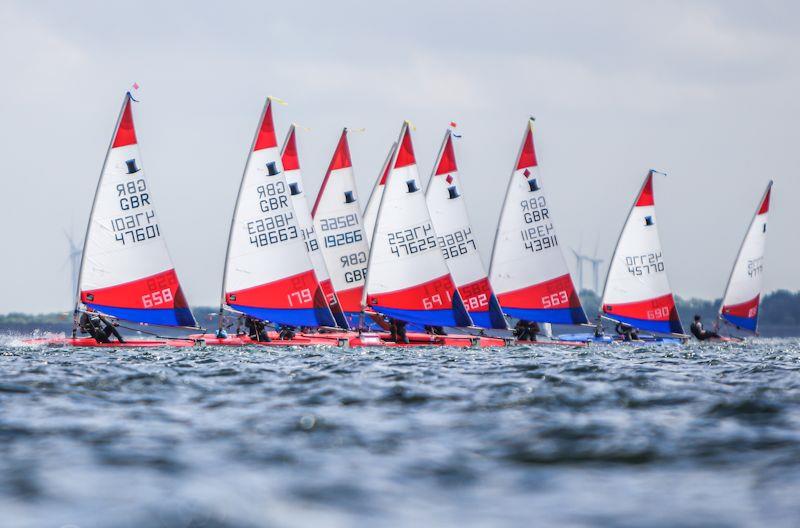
(528, 270)
(374, 201)
(337, 220)
(407, 276)
(740, 304)
(456, 241)
(637, 290)
(126, 271)
(291, 169)
(268, 271)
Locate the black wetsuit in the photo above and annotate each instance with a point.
(526, 330)
(256, 330)
(287, 333)
(435, 330)
(397, 331)
(99, 328)
(702, 335)
(627, 332)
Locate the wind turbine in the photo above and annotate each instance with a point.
(580, 258)
(595, 262)
(74, 259)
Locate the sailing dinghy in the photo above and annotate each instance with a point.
(269, 274)
(126, 272)
(407, 276)
(456, 242)
(743, 293)
(291, 167)
(337, 220)
(528, 270)
(637, 291)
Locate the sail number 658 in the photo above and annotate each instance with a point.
(157, 298)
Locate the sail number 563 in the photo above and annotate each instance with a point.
(555, 299)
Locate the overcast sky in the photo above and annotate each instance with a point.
(706, 91)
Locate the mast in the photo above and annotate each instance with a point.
(76, 310)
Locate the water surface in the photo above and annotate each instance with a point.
(699, 435)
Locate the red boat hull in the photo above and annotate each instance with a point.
(91, 343)
(333, 339)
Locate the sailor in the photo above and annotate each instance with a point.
(256, 330)
(599, 331)
(397, 331)
(286, 333)
(97, 326)
(697, 330)
(526, 330)
(434, 330)
(627, 332)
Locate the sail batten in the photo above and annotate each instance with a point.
(741, 302)
(126, 270)
(456, 241)
(637, 290)
(407, 276)
(268, 271)
(528, 269)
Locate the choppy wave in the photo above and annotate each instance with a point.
(621, 436)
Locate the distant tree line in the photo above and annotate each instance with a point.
(778, 309)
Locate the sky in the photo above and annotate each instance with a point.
(706, 91)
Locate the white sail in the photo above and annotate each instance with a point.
(291, 167)
(528, 271)
(637, 290)
(126, 271)
(456, 241)
(407, 277)
(337, 220)
(374, 201)
(268, 272)
(742, 297)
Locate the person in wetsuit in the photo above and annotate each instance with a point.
(434, 330)
(526, 330)
(397, 331)
(100, 328)
(256, 330)
(627, 332)
(286, 333)
(599, 331)
(701, 334)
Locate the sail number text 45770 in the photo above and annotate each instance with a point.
(645, 264)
